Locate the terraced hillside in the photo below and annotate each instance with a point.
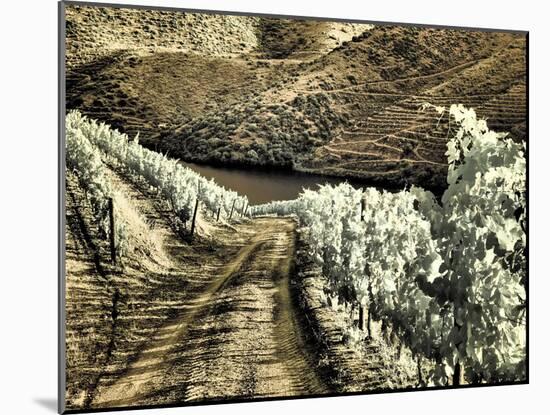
(331, 98)
(389, 134)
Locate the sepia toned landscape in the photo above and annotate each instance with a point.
(261, 207)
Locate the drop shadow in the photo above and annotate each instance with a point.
(48, 403)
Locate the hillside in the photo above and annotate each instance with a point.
(331, 98)
(101, 31)
(180, 317)
(251, 277)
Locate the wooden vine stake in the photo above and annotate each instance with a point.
(363, 205)
(218, 214)
(232, 207)
(369, 325)
(457, 373)
(361, 317)
(196, 209)
(419, 369)
(112, 235)
(194, 217)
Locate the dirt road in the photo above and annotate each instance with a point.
(228, 316)
(237, 338)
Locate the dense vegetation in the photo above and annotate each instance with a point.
(281, 131)
(90, 144)
(449, 276)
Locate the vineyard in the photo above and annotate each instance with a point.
(89, 143)
(443, 281)
(448, 276)
(409, 271)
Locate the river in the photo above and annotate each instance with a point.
(261, 186)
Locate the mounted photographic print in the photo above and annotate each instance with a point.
(261, 207)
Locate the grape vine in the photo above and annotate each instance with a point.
(178, 184)
(84, 160)
(449, 277)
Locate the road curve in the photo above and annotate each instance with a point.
(239, 338)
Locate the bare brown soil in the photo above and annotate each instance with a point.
(239, 311)
(236, 338)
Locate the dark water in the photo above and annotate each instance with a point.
(264, 186)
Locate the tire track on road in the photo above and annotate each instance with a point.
(239, 338)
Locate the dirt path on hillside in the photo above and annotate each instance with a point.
(224, 317)
(237, 338)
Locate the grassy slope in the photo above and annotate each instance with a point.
(314, 96)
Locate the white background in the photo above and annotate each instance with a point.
(28, 204)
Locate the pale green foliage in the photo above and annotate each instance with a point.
(85, 160)
(89, 142)
(482, 243)
(449, 276)
(373, 261)
(399, 250)
(178, 184)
